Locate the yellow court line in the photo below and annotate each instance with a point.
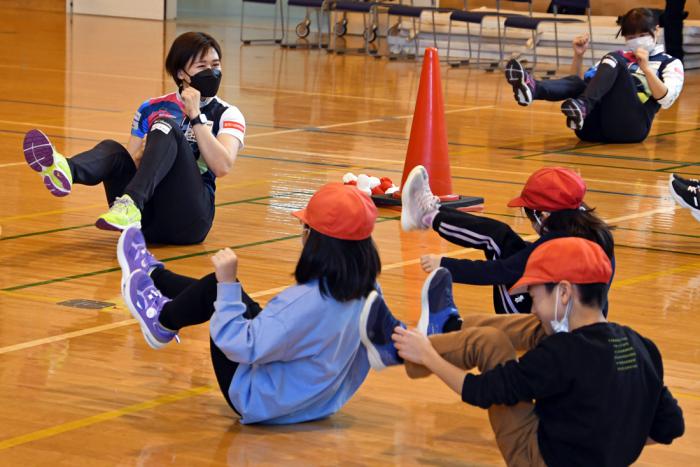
(262, 293)
(54, 211)
(68, 335)
(113, 414)
(656, 275)
(33, 297)
(102, 417)
(12, 164)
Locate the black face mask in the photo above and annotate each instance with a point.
(206, 82)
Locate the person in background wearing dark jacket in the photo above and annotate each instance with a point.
(598, 387)
(552, 199)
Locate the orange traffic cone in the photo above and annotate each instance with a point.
(427, 145)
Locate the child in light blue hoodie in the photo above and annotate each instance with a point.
(300, 358)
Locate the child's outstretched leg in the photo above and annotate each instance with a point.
(438, 314)
(421, 210)
(164, 302)
(515, 427)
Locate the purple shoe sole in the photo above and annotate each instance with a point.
(38, 153)
(37, 150)
(104, 225)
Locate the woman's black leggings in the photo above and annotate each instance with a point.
(176, 206)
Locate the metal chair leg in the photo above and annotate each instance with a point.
(478, 53)
(556, 34)
(449, 41)
(242, 22)
(469, 42)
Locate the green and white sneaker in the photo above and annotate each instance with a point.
(51, 165)
(121, 215)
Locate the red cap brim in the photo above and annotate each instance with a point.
(518, 202)
(521, 286)
(301, 215)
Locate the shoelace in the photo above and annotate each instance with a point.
(121, 205)
(693, 189)
(529, 80)
(141, 253)
(152, 294)
(429, 202)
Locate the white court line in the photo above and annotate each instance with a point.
(472, 169)
(263, 293)
(234, 86)
(256, 135)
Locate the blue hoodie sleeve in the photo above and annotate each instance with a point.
(248, 341)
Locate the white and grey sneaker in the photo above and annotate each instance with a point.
(417, 200)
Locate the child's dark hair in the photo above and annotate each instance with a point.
(345, 269)
(637, 21)
(582, 223)
(593, 295)
(187, 47)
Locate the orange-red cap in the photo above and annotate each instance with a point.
(572, 259)
(340, 211)
(551, 189)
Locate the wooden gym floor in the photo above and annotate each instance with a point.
(80, 386)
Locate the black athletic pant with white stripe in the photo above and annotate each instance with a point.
(496, 239)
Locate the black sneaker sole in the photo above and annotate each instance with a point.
(515, 75)
(574, 114)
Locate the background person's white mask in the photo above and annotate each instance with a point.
(645, 42)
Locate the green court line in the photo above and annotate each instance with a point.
(82, 226)
(658, 250)
(44, 232)
(670, 234)
(164, 260)
(594, 145)
(680, 166)
(590, 165)
(619, 157)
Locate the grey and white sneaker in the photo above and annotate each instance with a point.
(418, 202)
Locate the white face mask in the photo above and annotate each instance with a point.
(645, 42)
(563, 325)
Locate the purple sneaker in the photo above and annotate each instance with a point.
(52, 166)
(145, 303)
(133, 254)
(523, 83)
(575, 111)
(376, 327)
(437, 303)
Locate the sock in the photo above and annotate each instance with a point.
(453, 323)
(428, 218)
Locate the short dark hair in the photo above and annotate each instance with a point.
(637, 21)
(583, 223)
(345, 269)
(593, 295)
(187, 47)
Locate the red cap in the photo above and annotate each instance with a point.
(340, 211)
(551, 189)
(572, 259)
